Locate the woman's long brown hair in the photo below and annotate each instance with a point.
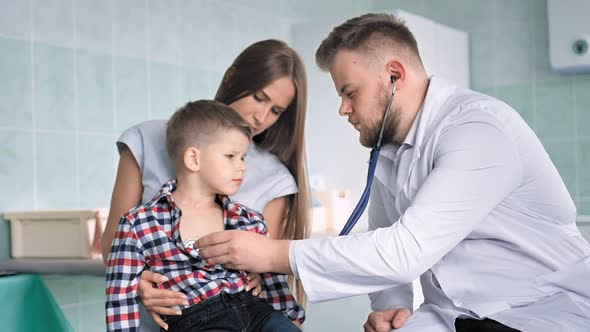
(255, 68)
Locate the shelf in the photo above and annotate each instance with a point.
(54, 266)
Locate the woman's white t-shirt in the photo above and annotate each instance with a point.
(265, 179)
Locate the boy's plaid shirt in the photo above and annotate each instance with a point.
(148, 238)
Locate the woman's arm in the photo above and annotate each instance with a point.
(274, 214)
(126, 194)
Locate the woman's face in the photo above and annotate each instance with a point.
(263, 108)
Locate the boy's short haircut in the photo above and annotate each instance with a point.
(197, 122)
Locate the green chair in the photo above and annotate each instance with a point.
(27, 305)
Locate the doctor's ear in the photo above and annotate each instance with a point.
(396, 71)
(191, 159)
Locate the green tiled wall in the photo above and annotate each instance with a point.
(62, 110)
(16, 84)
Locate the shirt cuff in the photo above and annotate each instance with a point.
(292, 260)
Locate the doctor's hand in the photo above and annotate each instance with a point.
(246, 251)
(384, 321)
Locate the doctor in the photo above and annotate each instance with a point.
(464, 198)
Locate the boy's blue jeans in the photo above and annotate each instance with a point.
(239, 312)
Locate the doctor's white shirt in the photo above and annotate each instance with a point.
(472, 205)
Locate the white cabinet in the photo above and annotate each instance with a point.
(444, 50)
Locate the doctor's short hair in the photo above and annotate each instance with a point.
(197, 123)
(367, 34)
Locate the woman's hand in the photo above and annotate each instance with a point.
(384, 321)
(255, 284)
(246, 251)
(296, 323)
(158, 301)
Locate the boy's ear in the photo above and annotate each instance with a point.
(192, 159)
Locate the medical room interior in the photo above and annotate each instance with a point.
(75, 74)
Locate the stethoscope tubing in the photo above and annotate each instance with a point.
(364, 200)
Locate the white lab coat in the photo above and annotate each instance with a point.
(472, 204)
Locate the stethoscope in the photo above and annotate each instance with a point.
(362, 204)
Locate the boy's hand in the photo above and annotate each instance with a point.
(255, 284)
(384, 321)
(158, 301)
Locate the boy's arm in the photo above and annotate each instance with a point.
(275, 286)
(124, 266)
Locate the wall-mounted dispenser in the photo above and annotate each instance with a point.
(569, 35)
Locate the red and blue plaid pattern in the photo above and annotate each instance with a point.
(148, 238)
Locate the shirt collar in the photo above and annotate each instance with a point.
(411, 136)
(165, 193)
(438, 91)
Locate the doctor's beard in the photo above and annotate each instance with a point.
(371, 136)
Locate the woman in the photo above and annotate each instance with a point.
(267, 86)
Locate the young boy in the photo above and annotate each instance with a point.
(207, 142)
